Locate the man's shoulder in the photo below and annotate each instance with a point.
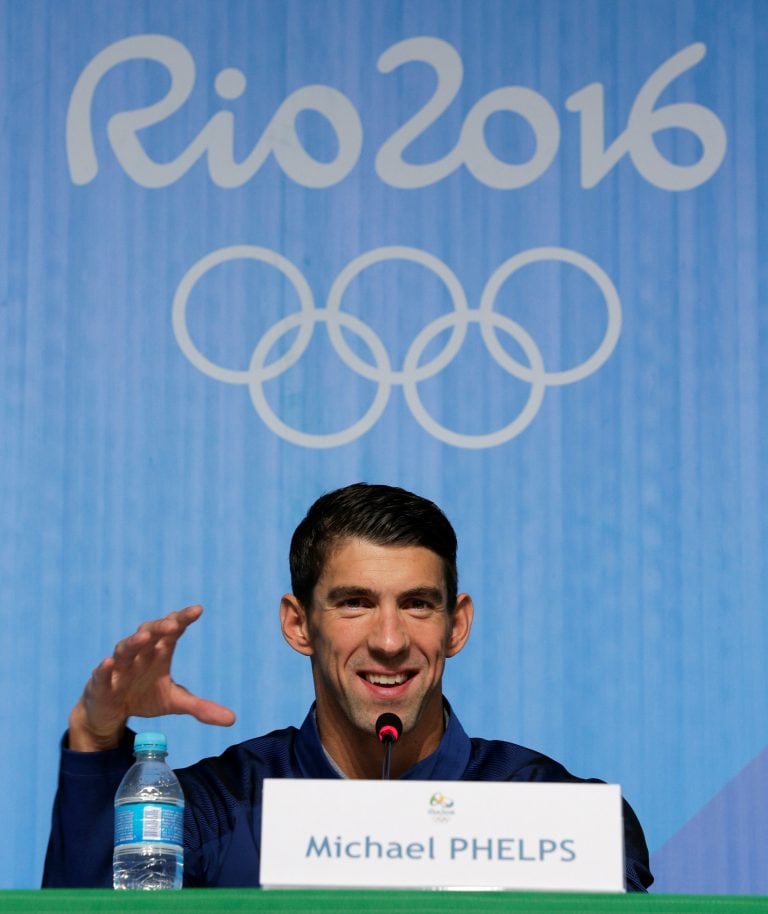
(498, 760)
(245, 764)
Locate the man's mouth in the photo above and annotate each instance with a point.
(386, 679)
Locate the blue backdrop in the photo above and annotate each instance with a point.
(511, 255)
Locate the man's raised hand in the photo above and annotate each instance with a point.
(136, 681)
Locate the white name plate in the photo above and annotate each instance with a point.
(442, 835)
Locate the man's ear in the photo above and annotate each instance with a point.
(295, 625)
(461, 624)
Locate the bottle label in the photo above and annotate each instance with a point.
(142, 823)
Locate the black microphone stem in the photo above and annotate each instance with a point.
(387, 764)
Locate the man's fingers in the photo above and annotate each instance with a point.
(176, 623)
(103, 673)
(210, 712)
(158, 636)
(171, 627)
(130, 646)
(138, 675)
(136, 681)
(189, 614)
(206, 711)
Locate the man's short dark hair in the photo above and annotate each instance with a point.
(384, 515)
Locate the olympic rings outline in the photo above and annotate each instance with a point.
(223, 255)
(524, 418)
(307, 439)
(603, 282)
(397, 252)
(411, 373)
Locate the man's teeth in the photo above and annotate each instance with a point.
(386, 679)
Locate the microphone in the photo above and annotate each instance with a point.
(389, 728)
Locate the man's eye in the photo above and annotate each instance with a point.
(419, 606)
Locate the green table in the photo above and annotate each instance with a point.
(91, 901)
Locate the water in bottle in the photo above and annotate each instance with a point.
(149, 821)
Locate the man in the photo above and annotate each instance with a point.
(375, 607)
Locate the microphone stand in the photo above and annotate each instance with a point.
(387, 764)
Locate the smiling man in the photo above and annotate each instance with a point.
(378, 630)
(374, 605)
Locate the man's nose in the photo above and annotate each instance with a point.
(388, 633)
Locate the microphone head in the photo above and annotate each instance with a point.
(389, 727)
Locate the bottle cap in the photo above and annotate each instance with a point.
(150, 740)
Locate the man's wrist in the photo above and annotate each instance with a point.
(81, 738)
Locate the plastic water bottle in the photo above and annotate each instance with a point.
(149, 821)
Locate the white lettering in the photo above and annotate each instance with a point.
(471, 148)
(281, 139)
(445, 61)
(81, 154)
(540, 116)
(286, 145)
(644, 121)
(216, 137)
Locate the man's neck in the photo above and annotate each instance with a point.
(363, 756)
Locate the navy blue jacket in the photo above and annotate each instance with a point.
(222, 819)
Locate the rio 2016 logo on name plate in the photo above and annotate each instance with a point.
(413, 371)
(440, 807)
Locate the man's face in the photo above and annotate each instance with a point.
(378, 633)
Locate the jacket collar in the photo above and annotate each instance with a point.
(448, 762)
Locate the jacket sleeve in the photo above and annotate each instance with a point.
(82, 830)
(637, 871)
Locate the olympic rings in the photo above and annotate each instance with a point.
(382, 372)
